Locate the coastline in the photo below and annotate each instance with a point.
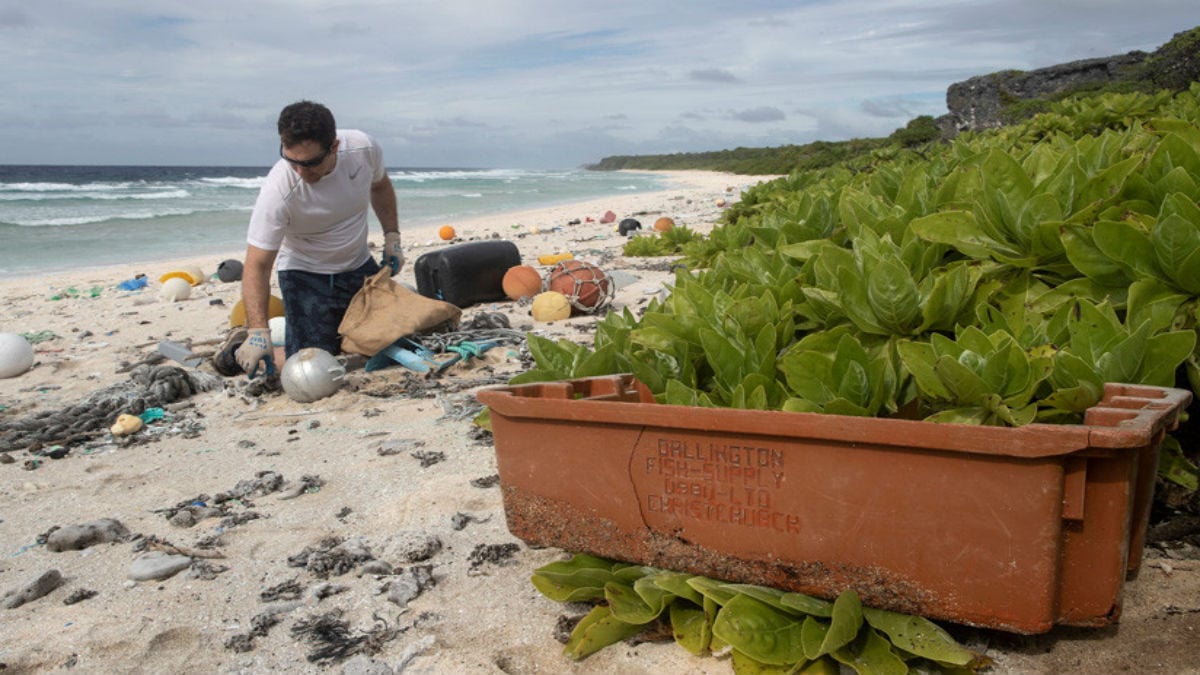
(423, 234)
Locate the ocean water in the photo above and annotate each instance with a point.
(53, 218)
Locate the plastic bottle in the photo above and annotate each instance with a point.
(550, 259)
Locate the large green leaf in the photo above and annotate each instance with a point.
(764, 594)
(812, 636)
(963, 383)
(806, 604)
(893, 298)
(1176, 467)
(870, 654)
(676, 583)
(1106, 185)
(639, 603)
(856, 301)
(578, 579)
(1124, 243)
(691, 627)
(808, 374)
(1086, 256)
(725, 357)
(760, 631)
(597, 630)
(1176, 243)
(1164, 354)
(949, 296)
(713, 590)
(958, 229)
(1173, 153)
(844, 624)
(919, 359)
(920, 636)
(1003, 173)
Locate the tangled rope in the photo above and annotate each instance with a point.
(485, 327)
(150, 387)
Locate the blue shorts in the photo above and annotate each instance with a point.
(315, 303)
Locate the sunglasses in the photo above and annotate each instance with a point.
(306, 163)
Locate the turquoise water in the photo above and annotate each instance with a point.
(55, 217)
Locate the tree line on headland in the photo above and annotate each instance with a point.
(988, 101)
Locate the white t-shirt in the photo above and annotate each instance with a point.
(320, 227)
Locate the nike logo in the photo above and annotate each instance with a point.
(355, 174)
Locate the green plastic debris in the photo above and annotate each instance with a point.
(152, 414)
(34, 337)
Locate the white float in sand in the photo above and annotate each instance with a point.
(311, 374)
(175, 289)
(16, 355)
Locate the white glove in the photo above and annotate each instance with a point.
(393, 254)
(254, 350)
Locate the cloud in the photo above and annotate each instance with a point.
(759, 115)
(892, 107)
(713, 75)
(461, 123)
(549, 83)
(13, 18)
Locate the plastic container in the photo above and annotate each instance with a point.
(1017, 529)
(179, 353)
(554, 258)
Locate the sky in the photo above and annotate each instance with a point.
(535, 84)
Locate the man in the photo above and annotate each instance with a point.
(310, 222)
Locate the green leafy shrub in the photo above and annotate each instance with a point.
(919, 131)
(670, 242)
(998, 279)
(763, 629)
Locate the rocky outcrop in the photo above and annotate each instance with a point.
(977, 103)
(980, 102)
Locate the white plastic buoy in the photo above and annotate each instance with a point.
(311, 374)
(196, 273)
(16, 355)
(175, 289)
(278, 326)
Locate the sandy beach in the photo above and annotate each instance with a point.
(377, 506)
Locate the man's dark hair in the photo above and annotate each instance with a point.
(307, 121)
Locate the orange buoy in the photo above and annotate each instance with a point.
(663, 224)
(521, 281)
(585, 286)
(447, 233)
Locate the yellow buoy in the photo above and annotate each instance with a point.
(189, 273)
(237, 317)
(550, 306)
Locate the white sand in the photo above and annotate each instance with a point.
(485, 618)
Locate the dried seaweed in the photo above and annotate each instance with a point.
(334, 641)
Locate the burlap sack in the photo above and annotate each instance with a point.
(385, 311)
